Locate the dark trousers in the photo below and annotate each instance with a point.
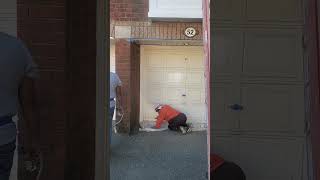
(6, 159)
(228, 171)
(178, 121)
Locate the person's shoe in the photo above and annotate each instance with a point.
(183, 130)
(188, 129)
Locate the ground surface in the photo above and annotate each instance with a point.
(159, 156)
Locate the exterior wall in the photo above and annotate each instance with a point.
(42, 27)
(129, 10)
(127, 67)
(61, 36)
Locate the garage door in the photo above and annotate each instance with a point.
(258, 113)
(8, 17)
(174, 76)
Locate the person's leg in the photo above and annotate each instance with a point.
(6, 160)
(111, 113)
(183, 120)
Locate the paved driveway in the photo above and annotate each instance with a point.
(159, 156)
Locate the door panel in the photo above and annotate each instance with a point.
(273, 54)
(235, 9)
(266, 10)
(227, 53)
(223, 118)
(272, 109)
(287, 158)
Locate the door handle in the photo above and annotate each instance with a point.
(184, 95)
(236, 107)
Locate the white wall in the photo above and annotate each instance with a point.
(175, 9)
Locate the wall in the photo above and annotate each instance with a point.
(42, 26)
(129, 10)
(127, 67)
(61, 36)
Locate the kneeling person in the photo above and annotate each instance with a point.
(177, 120)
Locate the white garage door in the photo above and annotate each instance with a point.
(258, 68)
(174, 76)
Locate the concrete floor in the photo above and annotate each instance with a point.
(162, 155)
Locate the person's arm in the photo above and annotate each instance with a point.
(119, 96)
(28, 113)
(159, 121)
(28, 102)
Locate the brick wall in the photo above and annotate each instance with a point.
(129, 10)
(128, 69)
(61, 37)
(41, 25)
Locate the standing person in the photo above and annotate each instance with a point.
(16, 69)
(115, 93)
(177, 120)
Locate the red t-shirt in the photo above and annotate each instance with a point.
(215, 162)
(166, 113)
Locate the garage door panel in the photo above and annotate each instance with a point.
(275, 10)
(195, 96)
(155, 94)
(175, 61)
(234, 9)
(155, 61)
(273, 54)
(271, 159)
(272, 109)
(227, 53)
(176, 76)
(156, 76)
(173, 95)
(195, 78)
(195, 61)
(223, 119)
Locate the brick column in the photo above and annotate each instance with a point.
(128, 69)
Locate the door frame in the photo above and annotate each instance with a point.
(102, 147)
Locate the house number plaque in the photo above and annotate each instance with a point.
(190, 32)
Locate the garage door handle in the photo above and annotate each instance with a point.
(236, 107)
(184, 95)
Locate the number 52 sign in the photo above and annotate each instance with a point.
(190, 32)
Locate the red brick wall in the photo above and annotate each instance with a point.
(61, 36)
(128, 69)
(129, 10)
(41, 25)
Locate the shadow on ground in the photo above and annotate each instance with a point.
(159, 156)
